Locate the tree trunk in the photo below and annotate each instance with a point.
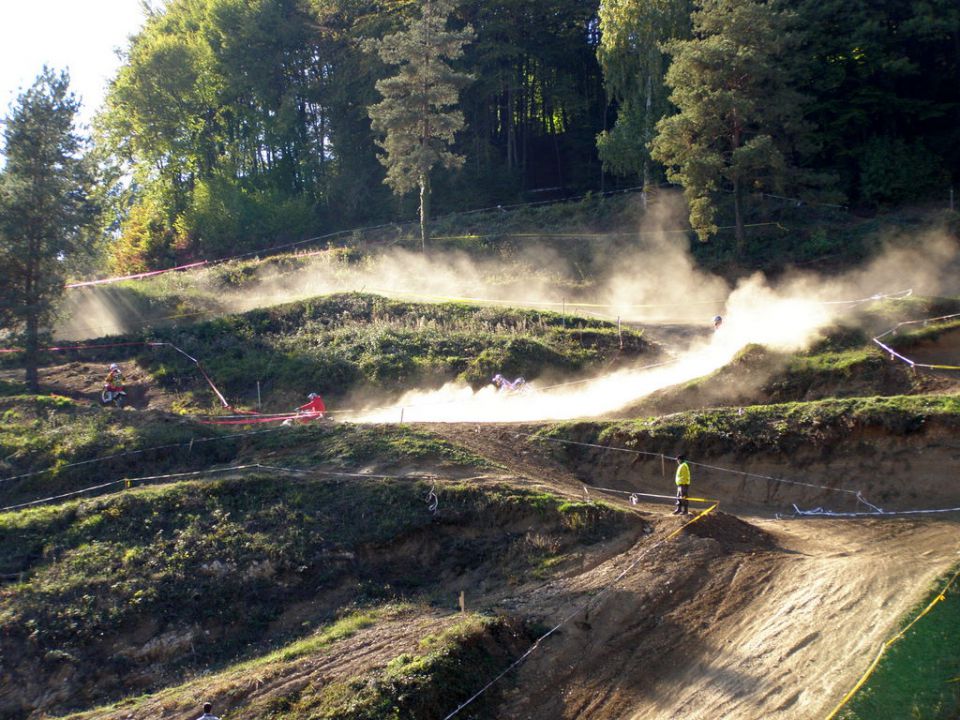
(738, 191)
(424, 211)
(31, 348)
(738, 217)
(647, 135)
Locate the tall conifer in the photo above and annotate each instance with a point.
(418, 116)
(740, 125)
(44, 208)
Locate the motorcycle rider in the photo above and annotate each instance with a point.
(503, 384)
(113, 391)
(315, 407)
(114, 379)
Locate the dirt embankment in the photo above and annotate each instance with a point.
(734, 620)
(700, 629)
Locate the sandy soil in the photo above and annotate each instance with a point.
(699, 632)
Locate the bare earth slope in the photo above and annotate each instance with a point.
(723, 621)
(781, 633)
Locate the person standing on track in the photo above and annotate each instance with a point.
(683, 486)
(208, 713)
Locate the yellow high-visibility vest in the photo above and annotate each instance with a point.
(683, 474)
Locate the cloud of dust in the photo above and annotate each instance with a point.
(660, 281)
(404, 274)
(756, 313)
(92, 312)
(655, 280)
(784, 317)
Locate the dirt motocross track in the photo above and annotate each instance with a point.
(775, 618)
(736, 617)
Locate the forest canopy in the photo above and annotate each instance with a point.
(244, 123)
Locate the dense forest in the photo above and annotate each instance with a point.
(236, 124)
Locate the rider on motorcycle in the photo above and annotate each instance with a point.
(114, 379)
(113, 391)
(315, 407)
(503, 384)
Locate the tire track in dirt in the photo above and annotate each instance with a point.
(700, 632)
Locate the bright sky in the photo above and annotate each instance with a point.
(81, 36)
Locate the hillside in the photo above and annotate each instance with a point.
(355, 356)
(435, 544)
(195, 589)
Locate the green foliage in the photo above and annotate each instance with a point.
(917, 676)
(895, 171)
(881, 98)
(739, 127)
(418, 116)
(634, 65)
(224, 218)
(45, 208)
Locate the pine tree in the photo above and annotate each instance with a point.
(418, 115)
(44, 208)
(740, 122)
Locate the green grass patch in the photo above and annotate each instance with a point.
(766, 428)
(910, 335)
(919, 674)
(219, 561)
(449, 668)
(70, 446)
(341, 629)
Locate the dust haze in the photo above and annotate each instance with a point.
(650, 278)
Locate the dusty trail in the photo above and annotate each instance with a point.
(704, 630)
(776, 619)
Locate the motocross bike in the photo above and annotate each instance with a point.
(113, 395)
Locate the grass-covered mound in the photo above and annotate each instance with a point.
(772, 428)
(353, 342)
(52, 445)
(135, 591)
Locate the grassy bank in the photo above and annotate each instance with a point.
(53, 445)
(141, 588)
(919, 674)
(779, 427)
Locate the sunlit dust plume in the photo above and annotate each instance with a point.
(754, 314)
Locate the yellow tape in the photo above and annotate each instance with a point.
(883, 648)
(691, 521)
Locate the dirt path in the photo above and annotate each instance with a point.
(703, 627)
(700, 630)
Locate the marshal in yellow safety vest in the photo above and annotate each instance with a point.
(683, 486)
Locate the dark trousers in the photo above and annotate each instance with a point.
(683, 505)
